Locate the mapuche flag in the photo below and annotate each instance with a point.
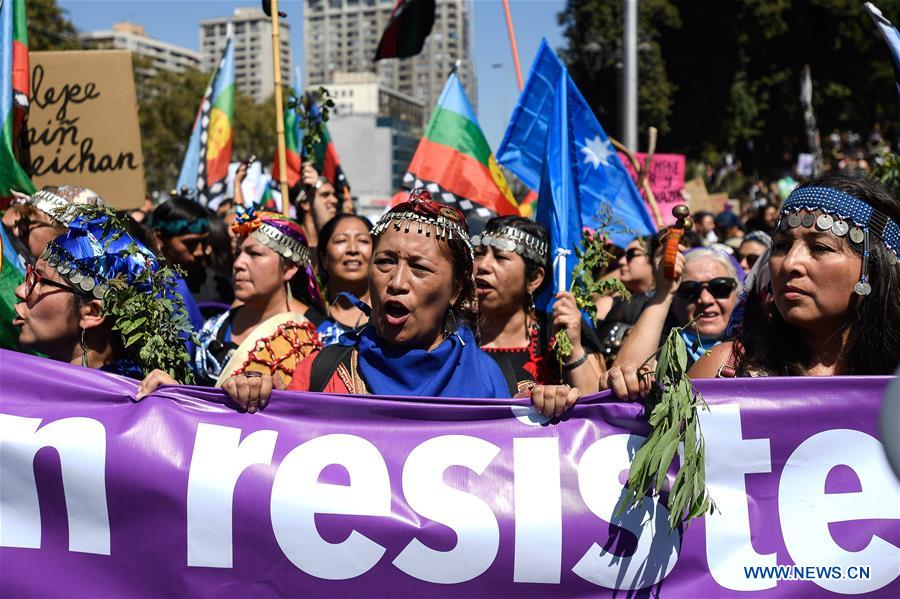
(454, 162)
(205, 165)
(14, 74)
(411, 22)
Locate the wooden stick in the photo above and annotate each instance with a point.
(512, 43)
(279, 113)
(645, 185)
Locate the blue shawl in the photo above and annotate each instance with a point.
(455, 368)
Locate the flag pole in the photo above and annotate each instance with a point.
(512, 43)
(279, 112)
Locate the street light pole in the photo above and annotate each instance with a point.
(630, 87)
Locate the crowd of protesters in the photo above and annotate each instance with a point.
(414, 305)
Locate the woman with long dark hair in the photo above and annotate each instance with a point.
(828, 300)
(344, 252)
(511, 267)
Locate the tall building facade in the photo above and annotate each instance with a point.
(375, 131)
(254, 74)
(341, 36)
(159, 55)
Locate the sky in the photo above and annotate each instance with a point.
(177, 22)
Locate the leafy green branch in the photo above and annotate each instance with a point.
(588, 283)
(313, 110)
(673, 404)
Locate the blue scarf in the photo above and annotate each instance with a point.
(697, 345)
(455, 368)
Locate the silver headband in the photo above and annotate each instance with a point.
(511, 239)
(442, 227)
(281, 244)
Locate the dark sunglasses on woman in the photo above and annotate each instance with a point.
(751, 259)
(719, 288)
(633, 253)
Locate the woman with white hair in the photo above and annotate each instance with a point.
(703, 294)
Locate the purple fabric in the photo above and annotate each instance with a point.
(516, 529)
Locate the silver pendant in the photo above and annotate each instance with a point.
(857, 235)
(840, 228)
(794, 220)
(863, 288)
(824, 221)
(808, 219)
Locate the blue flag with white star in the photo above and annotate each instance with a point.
(582, 179)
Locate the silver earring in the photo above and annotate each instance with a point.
(531, 306)
(84, 350)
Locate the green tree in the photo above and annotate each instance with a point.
(49, 28)
(728, 74)
(168, 105)
(595, 52)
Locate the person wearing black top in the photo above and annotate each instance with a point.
(511, 259)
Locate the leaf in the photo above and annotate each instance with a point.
(132, 325)
(681, 354)
(667, 452)
(672, 406)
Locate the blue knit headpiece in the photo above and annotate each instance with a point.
(845, 216)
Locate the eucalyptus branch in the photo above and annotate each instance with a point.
(672, 404)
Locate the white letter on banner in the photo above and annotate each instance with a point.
(297, 496)
(729, 457)
(219, 459)
(538, 511)
(657, 547)
(806, 509)
(81, 445)
(477, 532)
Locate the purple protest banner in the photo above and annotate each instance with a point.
(328, 496)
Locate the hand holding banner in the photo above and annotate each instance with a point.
(328, 496)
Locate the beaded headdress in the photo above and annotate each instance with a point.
(511, 239)
(97, 257)
(845, 216)
(284, 237)
(424, 216)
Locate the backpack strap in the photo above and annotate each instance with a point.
(326, 363)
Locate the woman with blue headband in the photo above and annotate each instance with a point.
(826, 300)
(98, 298)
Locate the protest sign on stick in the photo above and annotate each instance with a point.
(83, 125)
(666, 180)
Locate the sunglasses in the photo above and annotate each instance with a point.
(751, 259)
(633, 253)
(33, 278)
(719, 288)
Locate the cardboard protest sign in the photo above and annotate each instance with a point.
(666, 180)
(83, 124)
